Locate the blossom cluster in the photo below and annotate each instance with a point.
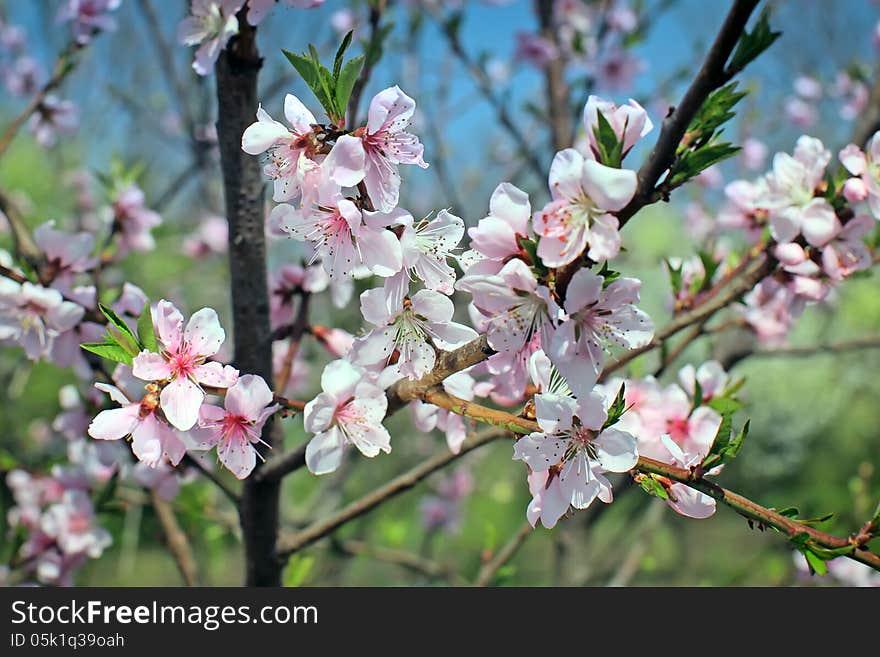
(818, 227)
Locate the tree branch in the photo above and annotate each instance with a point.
(175, 538)
(489, 570)
(291, 543)
(237, 70)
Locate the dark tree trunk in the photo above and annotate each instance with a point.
(237, 71)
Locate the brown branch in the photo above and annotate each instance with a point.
(299, 328)
(408, 560)
(448, 363)
(190, 460)
(739, 503)
(63, 66)
(237, 71)
(176, 540)
(291, 543)
(489, 570)
(712, 75)
(856, 344)
(558, 113)
(22, 240)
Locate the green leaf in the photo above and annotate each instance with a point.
(653, 487)
(340, 53)
(692, 163)
(617, 408)
(752, 44)
(610, 147)
(608, 275)
(724, 405)
(298, 569)
(117, 321)
(315, 76)
(816, 564)
(346, 81)
(110, 351)
(675, 280)
(146, 331)
(531, 249)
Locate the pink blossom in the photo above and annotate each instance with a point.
(53, 117)
(152, 438)
(597, 315)
(34, 316)
(132, 220)
(162, 479)
(66, 253)
(427, 417)
(847, 253)
(412, 329)
(182, 362)
(210, 237)
(336, 341)
(711, 376)
(387, 145)
(575, 451)
(535, 49)
(348, 411)
(754, 152)
(343, 237)
(517, 308)
(210, 26)
(24, 76)
(235, 429)
(584, 193)
(71, 524)
(866, 167)
(426, 247)
(497, 235)
(791, 195)
(801, 113)
(88, 17)
(259, 9)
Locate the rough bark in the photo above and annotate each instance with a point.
(237, 71)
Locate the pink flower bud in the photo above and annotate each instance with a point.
(855, 190)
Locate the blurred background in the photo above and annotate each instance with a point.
(814, 441)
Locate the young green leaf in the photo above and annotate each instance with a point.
(340, 53)
(752, 44)
(346, 80)
(109, 351)
(610, 147)
(146, 331)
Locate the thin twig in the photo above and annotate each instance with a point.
(489, 570)
(291, 543)
(176, 540)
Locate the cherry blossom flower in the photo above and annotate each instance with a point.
(296, 154)
(516, 306)
(575, 452)
(210, 26)
(34, 316)
(584, 194)
(597, 315)
(630, 122)
(152, 439)
(259, 9)
(343, 237)
(387, 145)
(535, 49)
(182, 363)
(235, 429)
(51, 118)
(413, 329)
(210, 237)
(162, 479)
(66, 253)
(866, 167)
(425, 247)
(71, 524)
(791, 199)
(336, 341)
(23, 77)
(132, 220)
(88, 17)
(711, 376)
(847, 253)
(349, 410)
(497, 235)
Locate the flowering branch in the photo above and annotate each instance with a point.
(690, 478)
(63, 66)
